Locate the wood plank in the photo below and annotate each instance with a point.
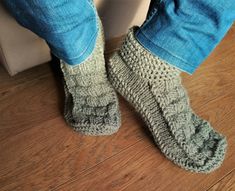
(51, 153)
(28, 104)
(226, 184)
(10, 84)
(141, 168)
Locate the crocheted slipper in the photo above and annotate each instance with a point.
(91, 104)
(154, 88)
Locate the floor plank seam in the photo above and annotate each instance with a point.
(221, 178)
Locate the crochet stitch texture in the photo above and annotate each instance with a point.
(91, 103)
(154, 88)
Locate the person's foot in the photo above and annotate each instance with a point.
(91, 104)
(154, 88)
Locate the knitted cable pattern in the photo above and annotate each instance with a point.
(91, 104)
(154, 88)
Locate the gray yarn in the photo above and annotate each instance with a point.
(154, 88)
(91, 104)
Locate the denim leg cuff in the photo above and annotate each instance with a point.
(170, 58)
(83, 56)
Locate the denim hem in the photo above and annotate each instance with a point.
(86, 53)
(164, 54)
(91, 45)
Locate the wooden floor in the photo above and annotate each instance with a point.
(38, 151)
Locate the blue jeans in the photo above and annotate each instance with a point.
(68, 26)
(181, 32)
(184, 32)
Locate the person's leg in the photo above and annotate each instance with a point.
(74, 33)
(184, 32)
(154, 87)
(69, 30)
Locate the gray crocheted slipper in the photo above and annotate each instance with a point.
(154, 88)
(91, 104)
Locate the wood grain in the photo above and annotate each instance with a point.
(226, 184)
(40, 152)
